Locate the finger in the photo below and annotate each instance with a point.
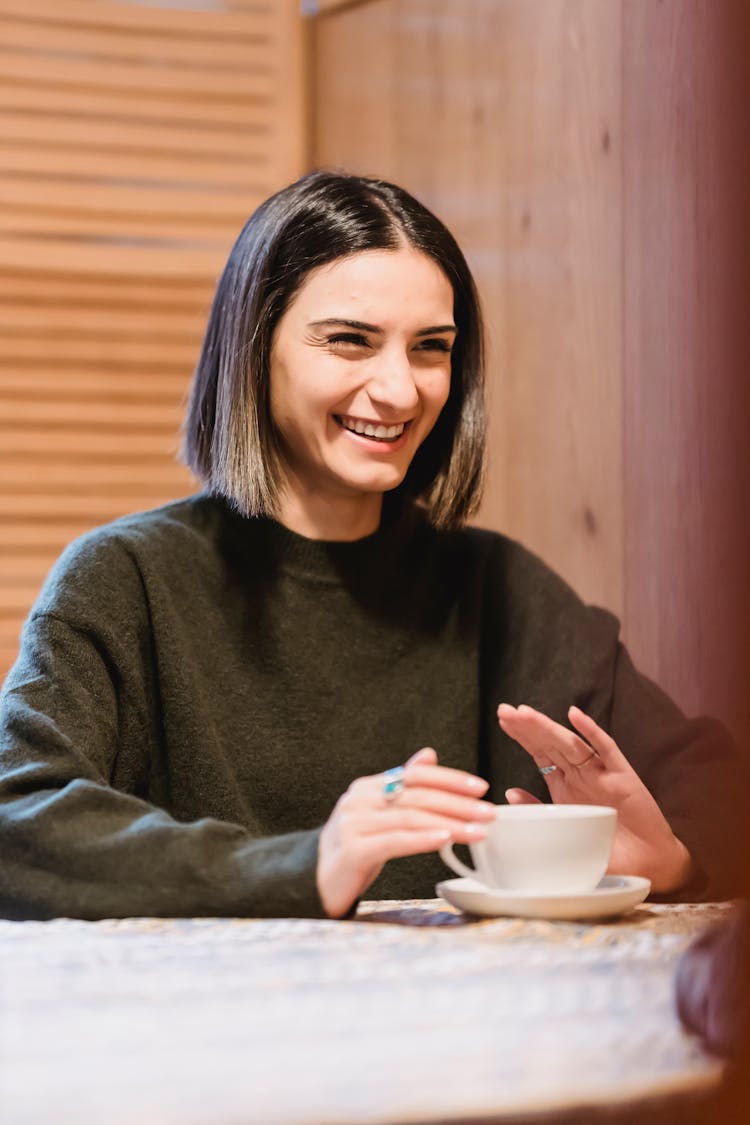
(387, 821)
(605, 746)
(378, 850)
(446, 778)
(441, 803)
(509, 719)
(521, 797)
(519, 723)
(426, 756)
(540, 736)
(378, 846)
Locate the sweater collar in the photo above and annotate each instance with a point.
(334, 561)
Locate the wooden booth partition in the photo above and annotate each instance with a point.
(578, 150)
(134, 141)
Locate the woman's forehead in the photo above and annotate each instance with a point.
(402, 282)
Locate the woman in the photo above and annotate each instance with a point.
(209, 696)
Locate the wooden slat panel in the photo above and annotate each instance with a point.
(164, 82)
(88, 416)
(290, 143)
(221, 144)
(9, 598)
(81, 385)
(110, 353)
(171, 325)
(198, 51)
(28, 569)
(172, 203)
(112, 479)
(314, 8)
(137, 19)
(134, 142)
(161, 261)
(54, 223)
(59, 290)
(131, 106)
(91, 507)
(32, 443)
(116, 161)
(28, 535)
(49, 536)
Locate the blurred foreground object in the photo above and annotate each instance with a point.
(712, 985)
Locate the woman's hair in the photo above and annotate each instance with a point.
(230, 440)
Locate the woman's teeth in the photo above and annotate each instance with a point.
(368, 429)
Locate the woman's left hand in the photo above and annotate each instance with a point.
(590, 769)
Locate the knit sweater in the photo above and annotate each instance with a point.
(195, 690)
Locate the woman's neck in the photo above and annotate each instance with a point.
(343, 518)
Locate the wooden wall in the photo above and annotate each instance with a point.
(134, 141)
(577, 149)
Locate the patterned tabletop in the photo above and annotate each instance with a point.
(410, 1012)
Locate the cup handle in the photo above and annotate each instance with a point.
(450, 859)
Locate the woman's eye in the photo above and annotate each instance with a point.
(436, 345)
(349, 338)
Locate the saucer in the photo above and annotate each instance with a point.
(614, 895)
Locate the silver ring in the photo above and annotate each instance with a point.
(589, 756)
(544, 770)
(393, 783)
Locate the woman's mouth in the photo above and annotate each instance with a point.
(374, 431)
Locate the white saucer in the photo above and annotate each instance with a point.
(614, 895)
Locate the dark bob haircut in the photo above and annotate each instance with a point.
(230, 440)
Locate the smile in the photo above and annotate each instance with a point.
(376, 431)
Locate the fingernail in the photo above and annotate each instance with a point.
(478, 831)
(478, 784)
(484, 810)
(441, 835)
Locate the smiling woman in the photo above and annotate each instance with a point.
(212, 698)
(352, 408)
(356, 281)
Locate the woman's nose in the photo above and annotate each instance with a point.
(392, 384)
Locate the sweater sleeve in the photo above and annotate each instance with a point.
(72, 843)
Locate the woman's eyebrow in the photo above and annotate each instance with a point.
(437, 329)
(361, 326)
(331, 320)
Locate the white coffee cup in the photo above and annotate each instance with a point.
(541, 849)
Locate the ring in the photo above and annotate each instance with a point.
(589, 756)
(393, 783)
(544, 770)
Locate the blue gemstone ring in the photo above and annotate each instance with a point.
(393, 783)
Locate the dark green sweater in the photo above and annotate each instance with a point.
(195, 690)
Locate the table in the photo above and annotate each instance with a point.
(410, 1012)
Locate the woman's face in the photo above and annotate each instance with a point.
(360, 370)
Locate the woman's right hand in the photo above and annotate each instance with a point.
(364, 831)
